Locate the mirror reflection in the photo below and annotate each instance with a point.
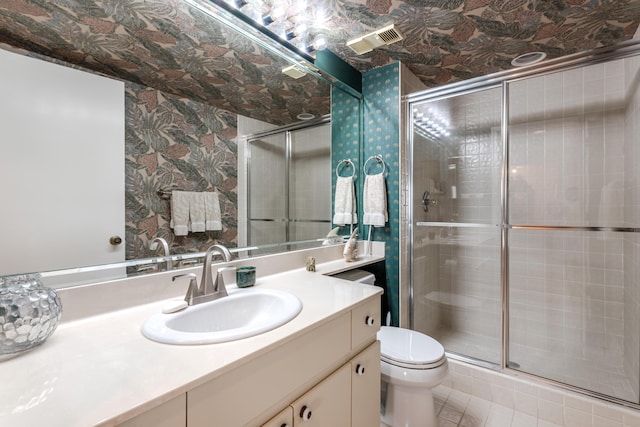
(206, 121)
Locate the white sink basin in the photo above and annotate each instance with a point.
(244, 313)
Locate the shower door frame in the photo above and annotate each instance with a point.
(286, 131)
(501, 79)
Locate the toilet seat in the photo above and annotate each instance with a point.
(410, 349)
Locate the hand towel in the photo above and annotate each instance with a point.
(212, 211)
(375, 201)
(345, 202)
(196, 212)
(179, 213)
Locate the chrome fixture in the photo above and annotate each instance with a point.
(192, 290)
(159, 241)
(207, 286)
(208, 290)
(427, 201)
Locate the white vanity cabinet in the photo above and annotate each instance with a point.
(326, 404)
(365, 387)
(169, 414)
(312, 376)
(283, 419)
(351, 395)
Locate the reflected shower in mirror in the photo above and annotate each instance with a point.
(189, 83)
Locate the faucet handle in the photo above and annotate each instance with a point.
(192, 291)
(219, 286)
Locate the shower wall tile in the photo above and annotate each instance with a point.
(561, 173)
(551, 406)
(631, 215)
(567, 297)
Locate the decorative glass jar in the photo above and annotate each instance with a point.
(29, 313)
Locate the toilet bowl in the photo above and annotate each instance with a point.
(411, 365)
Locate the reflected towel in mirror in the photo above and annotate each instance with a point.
(196, 212)
(345, 202)
(180, 213)
(212, 211)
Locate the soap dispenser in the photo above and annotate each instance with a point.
(350, 252)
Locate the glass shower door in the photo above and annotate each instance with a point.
(289, 191)
(310, 183)
(573, 258)
(267, 193)
(456, 244)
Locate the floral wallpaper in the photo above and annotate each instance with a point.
(451, 40)
(172, 47)
(167, 45)
(176, 144)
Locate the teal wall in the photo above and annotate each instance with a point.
(376, 131)
(346, 136)
(381, 91)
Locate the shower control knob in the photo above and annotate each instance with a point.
(359, 369)
(369, 321)
(305, 413)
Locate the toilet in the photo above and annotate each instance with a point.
(411, 365)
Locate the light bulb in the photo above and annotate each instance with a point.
(297, 31)
(319, 42)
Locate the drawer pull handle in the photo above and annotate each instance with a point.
(285, 425)
(369, 321)
(360, 369)
(305, 413)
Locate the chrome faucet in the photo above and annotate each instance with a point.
(153, 245)
(208, 290)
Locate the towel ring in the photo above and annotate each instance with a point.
(378, 158)
(347, 163)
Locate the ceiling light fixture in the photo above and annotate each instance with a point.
(285, 20)
(528, 59)
(305, 116)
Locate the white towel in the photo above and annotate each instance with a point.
(196, 212)
(212, 211)
(345, 202)
(375, 201)
(180, 213)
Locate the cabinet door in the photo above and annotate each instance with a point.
(170, 414)
(365, 387)
(283, 419)
(327, 404)
(365, 323)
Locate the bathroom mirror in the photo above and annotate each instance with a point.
(182, 56)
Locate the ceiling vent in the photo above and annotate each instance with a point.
(294, 72)
(384, 36)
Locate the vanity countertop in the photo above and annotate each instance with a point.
(100, 370)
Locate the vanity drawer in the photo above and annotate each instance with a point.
(365, 323)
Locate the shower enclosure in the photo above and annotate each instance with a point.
(525, 236)
(288, 176)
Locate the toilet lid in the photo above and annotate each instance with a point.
(409, 347)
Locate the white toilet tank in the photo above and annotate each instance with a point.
(359, 276)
